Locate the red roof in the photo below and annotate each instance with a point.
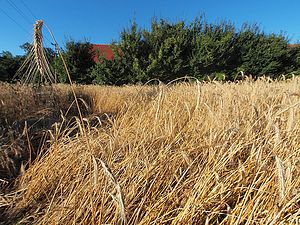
(293, 45)
(104, 50)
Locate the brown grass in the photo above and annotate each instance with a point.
(182, 154)
(18, 102)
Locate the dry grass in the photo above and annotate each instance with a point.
(183, 154)
(19, 102)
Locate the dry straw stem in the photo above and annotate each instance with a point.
(221, 162)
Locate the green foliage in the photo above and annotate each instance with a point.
(171, 50)
(214, 48)
(262, 54)
(168, 50)
(26, 47)
(50, 53)
(141, 55)
(9, 65)
(111, 71)
(78, 56)
(201, 49)
(128, 61)
(79, 60)
(293, 60)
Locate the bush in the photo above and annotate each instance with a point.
(262, 54)
(168, 50)
(162, 53)
(214, 49)
(9, 66)
(127, 64)
(201, 49)
(79, 59)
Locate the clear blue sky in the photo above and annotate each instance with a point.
(102, 21)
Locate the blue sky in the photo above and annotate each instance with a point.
(102, 21)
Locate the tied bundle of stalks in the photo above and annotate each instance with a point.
(36, 67)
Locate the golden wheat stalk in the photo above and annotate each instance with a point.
(281, 179)
(36, 67)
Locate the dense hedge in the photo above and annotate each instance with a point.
(168, 51)
(200, 49)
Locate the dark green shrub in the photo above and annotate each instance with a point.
(260, 53)
(9, 65)
(213, 48)
(79, 59)
(169, 48)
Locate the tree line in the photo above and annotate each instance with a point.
(169, 50)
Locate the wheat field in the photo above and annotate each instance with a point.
(189, 153)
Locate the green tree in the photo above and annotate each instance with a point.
(168, 50)
(26, 47)
(214, 48)
(79, 59)
(142, 55)
(260, 53)
(217, 50)
(50, 53)
(111, 72)
(292, 62)
(9, 65)
(128, 63)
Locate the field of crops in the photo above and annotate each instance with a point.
(199, 153)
